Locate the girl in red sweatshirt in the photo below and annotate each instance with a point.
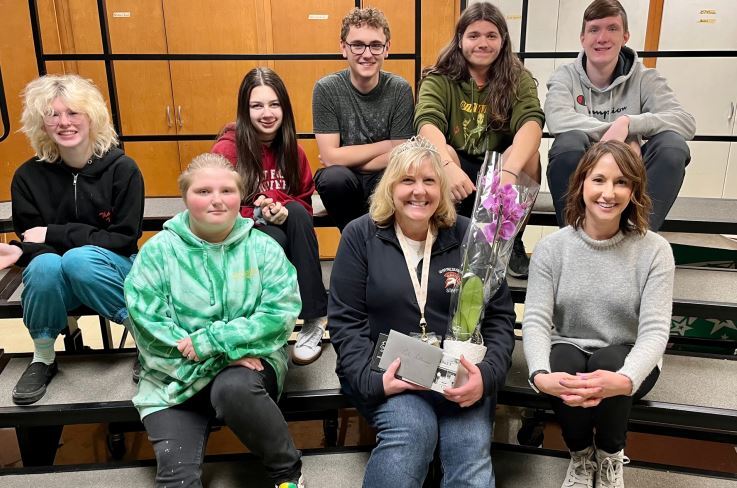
(262, 145)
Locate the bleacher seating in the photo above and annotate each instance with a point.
(691, 398)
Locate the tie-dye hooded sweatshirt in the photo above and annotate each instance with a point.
(236, 298)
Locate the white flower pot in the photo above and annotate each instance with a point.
(472, 352)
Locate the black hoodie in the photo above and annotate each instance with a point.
(100, 204)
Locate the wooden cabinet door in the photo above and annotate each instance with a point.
(206, 93)
(308, 26)
(69, 26)
(213, 26)
(300, 78)
(189, 149)
(136, 27)
(401, 17)
(438, 26)
(144, 95)
(159, 163)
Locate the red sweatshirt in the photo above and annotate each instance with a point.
(273, 185)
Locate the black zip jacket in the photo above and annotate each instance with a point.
(371, 293)
(100, 204)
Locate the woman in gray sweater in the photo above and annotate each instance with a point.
(597, 313)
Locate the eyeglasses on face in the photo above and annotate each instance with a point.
(54, 118)
(359, 48)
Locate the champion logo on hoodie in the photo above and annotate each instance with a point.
(580, 100)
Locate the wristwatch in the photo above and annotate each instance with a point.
(531, 379)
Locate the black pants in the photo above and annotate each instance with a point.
(345, 192)
(245, 401)
(666, 156)
(297, 237)
(606, 424)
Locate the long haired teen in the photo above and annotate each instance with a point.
(477, 97)
(262, 145)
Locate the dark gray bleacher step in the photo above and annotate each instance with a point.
(320, 470)
(517, 469)
(692, 392)
(699, 292)
(98, 388)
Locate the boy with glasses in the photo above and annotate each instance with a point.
(359, 115)
(607, 94)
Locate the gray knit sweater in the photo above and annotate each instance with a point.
(592, 294)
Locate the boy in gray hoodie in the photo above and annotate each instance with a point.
(608, 94)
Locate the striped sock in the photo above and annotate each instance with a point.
(43, 351)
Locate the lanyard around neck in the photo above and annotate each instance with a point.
(420, 287)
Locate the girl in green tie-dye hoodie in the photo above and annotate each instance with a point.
(212, 303)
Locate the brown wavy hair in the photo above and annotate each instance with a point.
(636, 216)
(247, 143)
(601, 9)
(503, 74)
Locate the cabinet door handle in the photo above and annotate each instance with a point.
(168, 116)
(179, 116)
(731, 111)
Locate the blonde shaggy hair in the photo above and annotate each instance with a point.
(405, 158)
(208, 161)
(80, 95)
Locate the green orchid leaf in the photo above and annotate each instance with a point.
(470, 304)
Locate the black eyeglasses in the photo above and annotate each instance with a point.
(360, 48)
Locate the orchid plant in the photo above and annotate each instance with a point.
(498, 214)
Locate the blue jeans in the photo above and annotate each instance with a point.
(87, 275)
(411, 424)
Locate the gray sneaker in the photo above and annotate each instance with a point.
(309, 341)
(611, 469)
(581, 469)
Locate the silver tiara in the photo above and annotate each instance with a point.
(416, 142)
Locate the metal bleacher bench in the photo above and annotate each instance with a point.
(694, 396)
(514, 468)
(678, 403)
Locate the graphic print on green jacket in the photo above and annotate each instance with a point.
(234, 299)
(459, 111)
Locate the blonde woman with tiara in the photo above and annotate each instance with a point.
(412, 230)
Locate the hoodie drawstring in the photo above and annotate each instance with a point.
(211, 287)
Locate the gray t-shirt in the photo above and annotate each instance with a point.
(382, 114)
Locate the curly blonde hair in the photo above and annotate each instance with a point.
(405, 158)
(80, 95)
(359, 17)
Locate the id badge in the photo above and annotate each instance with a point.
(431, 338)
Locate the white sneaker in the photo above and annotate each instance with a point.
(291, 484)
(611, 469)
(581, 469)
(309, 341)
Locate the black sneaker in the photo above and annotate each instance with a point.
(136, 370)
(31, 386)
(519, 263)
